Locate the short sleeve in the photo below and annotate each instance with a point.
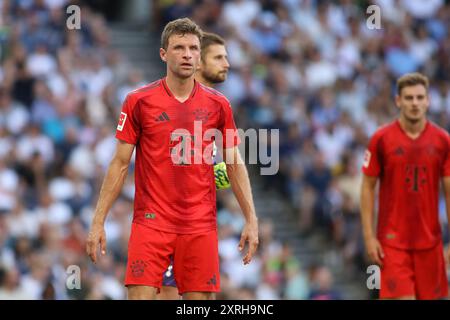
(228, 128)
(128, 126)
(371, 165)
(446, 164)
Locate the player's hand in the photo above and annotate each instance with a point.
(96, 237)
(250, 235)
(375, 251)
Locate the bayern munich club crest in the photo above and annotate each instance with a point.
(138, 268)
(201, 114)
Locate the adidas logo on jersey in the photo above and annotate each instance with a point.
(163, 117)
(399, 151)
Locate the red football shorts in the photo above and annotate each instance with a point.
(195, 259)
(418, 273)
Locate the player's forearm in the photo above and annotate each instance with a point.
(367, 210)
(111, 187)
(240, 184)
(446, 185)
(447, 206)
(448, 215)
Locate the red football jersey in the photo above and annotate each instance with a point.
(409, 171)
(174, 192)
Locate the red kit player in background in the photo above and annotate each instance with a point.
(175, 199)
(409, 157)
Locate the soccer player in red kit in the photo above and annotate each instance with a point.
(213, 69)
(175, 199)
(408, 157)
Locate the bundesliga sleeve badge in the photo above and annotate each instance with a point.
(367, 156)
(122, 119)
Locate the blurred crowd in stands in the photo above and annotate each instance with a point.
(312, 69)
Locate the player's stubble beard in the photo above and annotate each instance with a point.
(214, 78)
(184, 74)
(413, 120)
(177, 69)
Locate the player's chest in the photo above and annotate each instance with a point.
(161, 120)
(404, 152)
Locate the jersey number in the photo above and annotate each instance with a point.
(182, 151)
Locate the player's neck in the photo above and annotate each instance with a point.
(412, 128)
(180, 88)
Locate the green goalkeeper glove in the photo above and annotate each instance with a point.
(221, 176)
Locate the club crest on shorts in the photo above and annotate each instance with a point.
(392, 284)
(212, 281)
(138, 268)
(122, 119)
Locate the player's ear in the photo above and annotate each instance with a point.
(427, 99)
(162, 54)
(201, 63)
(397, 101)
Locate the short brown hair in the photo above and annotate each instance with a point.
(180, 27)
(209, 39)
(411, 79)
